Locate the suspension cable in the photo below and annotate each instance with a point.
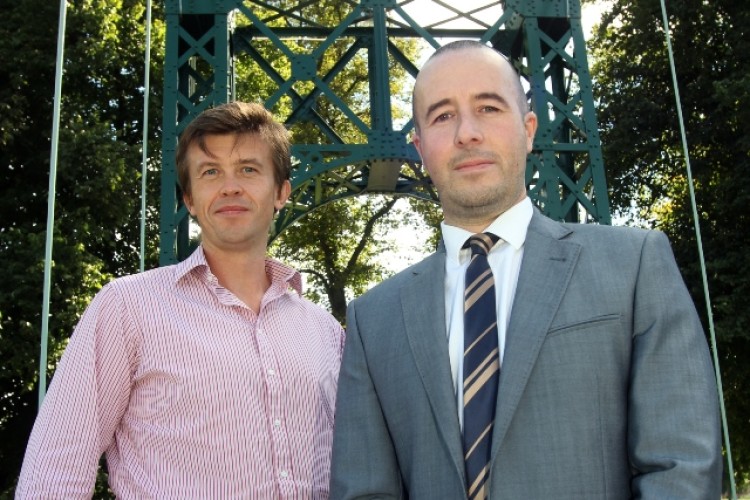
(701, 257)
(55, 139)
(144, 148)
(43, 354)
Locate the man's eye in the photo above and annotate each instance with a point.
(442, 117)
(488, 109)
(209, 172)
(248, 170)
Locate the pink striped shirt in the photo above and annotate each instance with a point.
(190, 394)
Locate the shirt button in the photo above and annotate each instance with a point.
(271, 371)
(284, 474)
(277, 422)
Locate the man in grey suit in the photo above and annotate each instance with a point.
(605, 387)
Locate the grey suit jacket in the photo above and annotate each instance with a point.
(606, 387)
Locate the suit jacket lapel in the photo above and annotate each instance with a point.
(547, 265)
(423, 304)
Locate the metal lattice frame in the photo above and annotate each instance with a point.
(286, 44)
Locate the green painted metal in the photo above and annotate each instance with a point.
(285, 44)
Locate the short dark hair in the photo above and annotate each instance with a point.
(523, 104)
(235, 118)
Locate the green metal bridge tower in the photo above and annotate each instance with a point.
(284, 42)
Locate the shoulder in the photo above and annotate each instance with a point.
(146, 279)
(134, 288)
(312, 310)
(430, 268)
(310, 320)
(296, 309)
(601, 248)
(595, 235)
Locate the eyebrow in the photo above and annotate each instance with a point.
(244, 161)
(492, 96)
(241, 161)
(434, 106)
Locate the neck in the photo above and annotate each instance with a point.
(476, 220)
(471, 224)
(242, 273)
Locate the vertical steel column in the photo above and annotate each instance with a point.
(566, 176)
(197, 75)
(285, 42)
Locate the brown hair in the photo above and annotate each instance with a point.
(235, 118)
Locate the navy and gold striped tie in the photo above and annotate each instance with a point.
(481, 364)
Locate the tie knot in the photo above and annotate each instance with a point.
(481, 243)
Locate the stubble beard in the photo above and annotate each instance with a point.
(479, 203)
(484, 202)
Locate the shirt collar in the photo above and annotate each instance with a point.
(281, 275)
(510, 226)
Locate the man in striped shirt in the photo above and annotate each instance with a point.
(212, 378)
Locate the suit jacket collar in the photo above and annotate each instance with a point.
(423, 304)
(548, 263)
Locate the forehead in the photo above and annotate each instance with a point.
(223, 146)
(462, 73)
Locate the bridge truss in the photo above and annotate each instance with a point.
(348, 142)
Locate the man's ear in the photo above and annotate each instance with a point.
(283, 195)
(530, 123)
(188, 201)
(417, 143)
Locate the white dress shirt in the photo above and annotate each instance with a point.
(504, 259)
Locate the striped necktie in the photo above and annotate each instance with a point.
(481, 364)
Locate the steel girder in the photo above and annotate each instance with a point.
(366, 149)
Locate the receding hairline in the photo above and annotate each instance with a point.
(464, 45)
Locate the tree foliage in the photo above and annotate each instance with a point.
(337, 246)
(340, 246)
(97, 225)
(96, 235)
(646, 166)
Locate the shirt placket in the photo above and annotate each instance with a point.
(273, 374)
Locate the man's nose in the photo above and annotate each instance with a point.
(468, 131)
(231, 186)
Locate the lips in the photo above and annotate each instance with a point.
(232, 209)
(473, 164)
(472, 160)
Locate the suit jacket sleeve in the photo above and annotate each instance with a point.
(364, 463)
(674, 430)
